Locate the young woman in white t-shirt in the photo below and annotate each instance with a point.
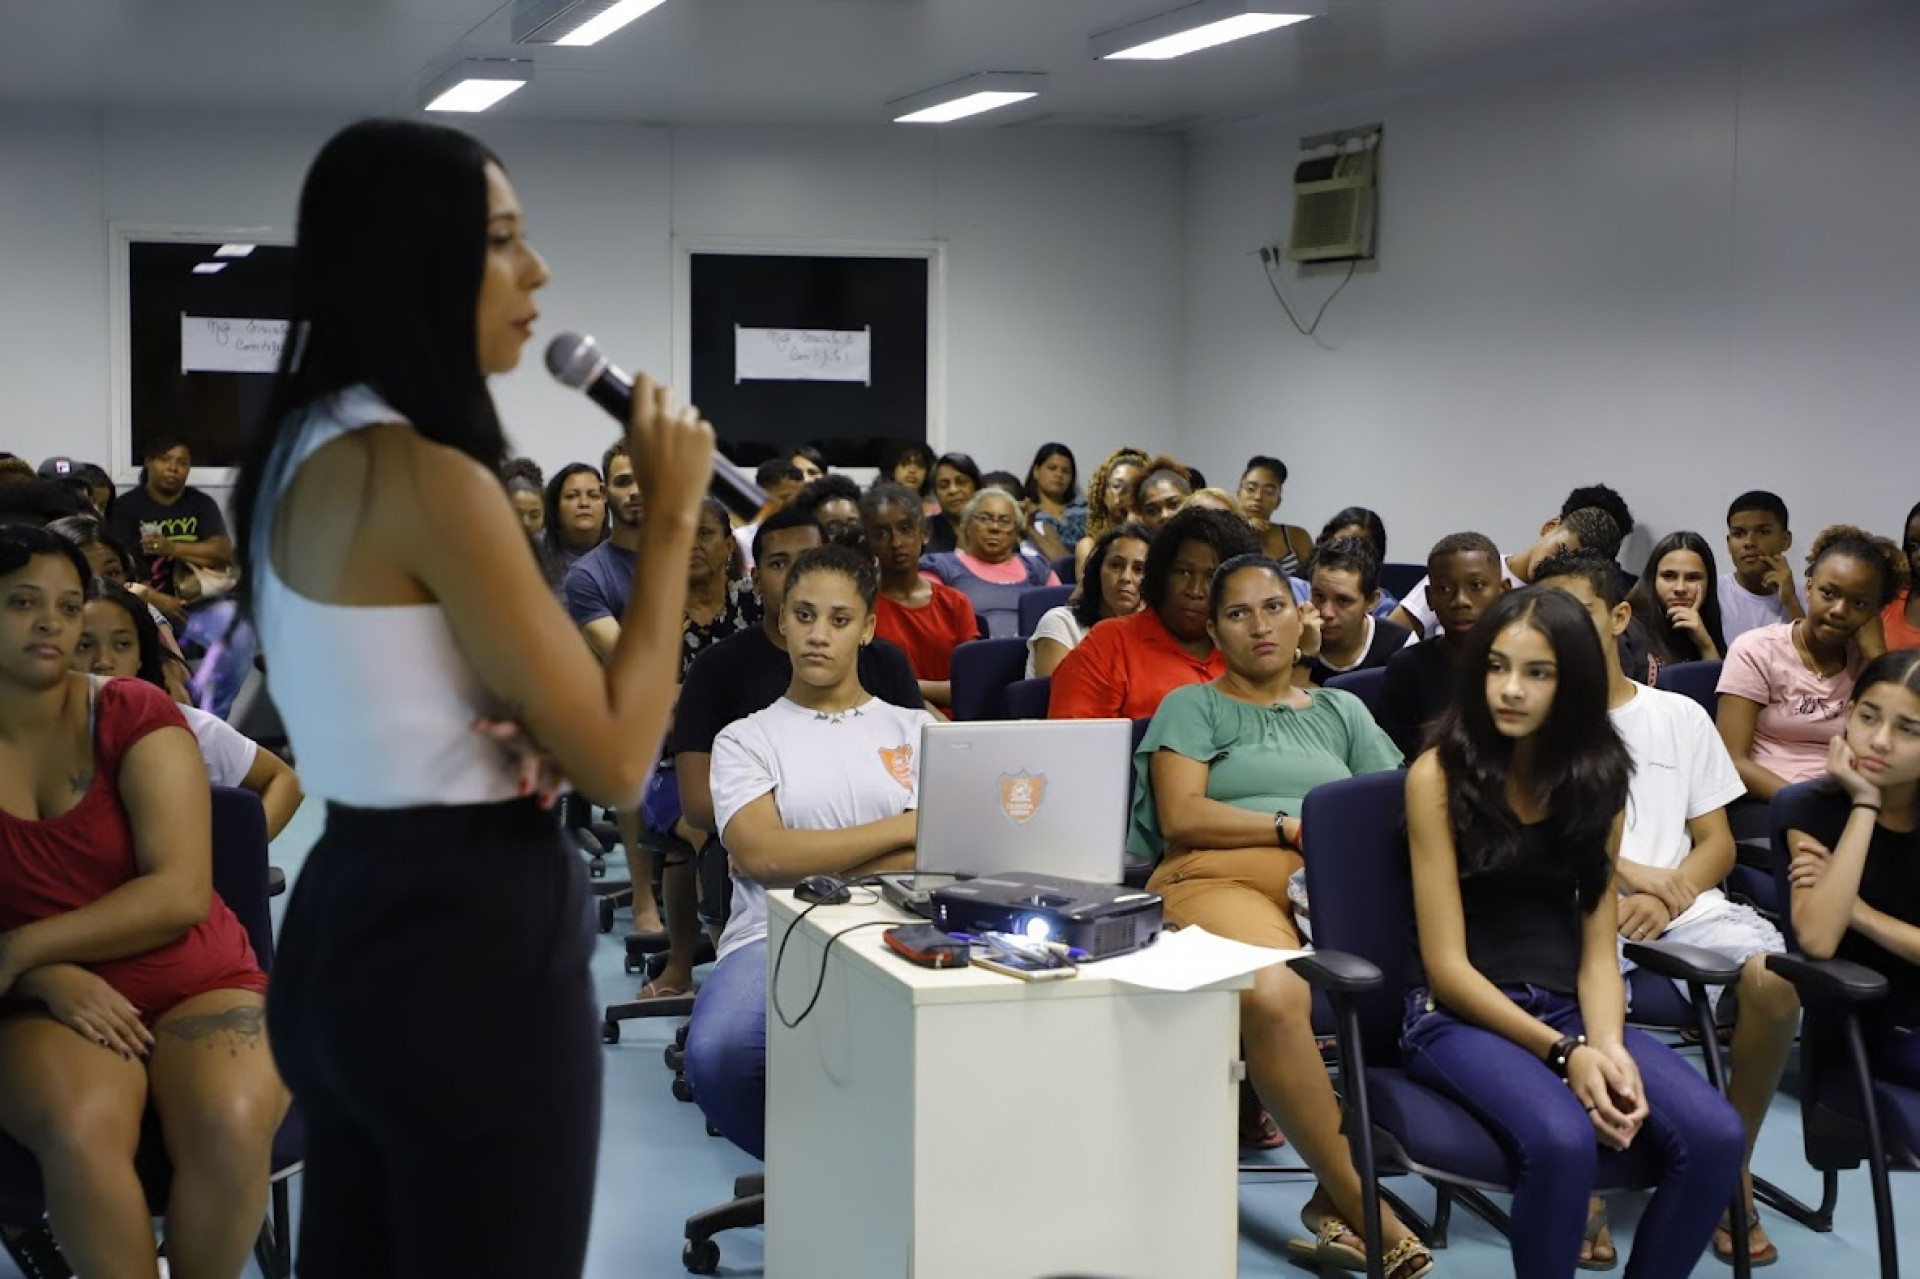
(823, 782)
(1115, 569)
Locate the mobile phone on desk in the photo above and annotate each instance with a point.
(1024, 967)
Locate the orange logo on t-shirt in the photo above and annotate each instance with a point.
(899, 762)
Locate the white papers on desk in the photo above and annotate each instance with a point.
(1188, 960)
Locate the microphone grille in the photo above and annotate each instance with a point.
(574, 360)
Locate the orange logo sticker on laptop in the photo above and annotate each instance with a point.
(1021, 795)
(899, 762)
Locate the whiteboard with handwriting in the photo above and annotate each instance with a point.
(217, 344)
(802, 355)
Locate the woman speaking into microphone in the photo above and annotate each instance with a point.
(431, 1008)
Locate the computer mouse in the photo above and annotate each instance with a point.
(822, 890)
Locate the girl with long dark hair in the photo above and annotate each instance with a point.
(1115, 570)
(1677, 601)
(1514, 821)
(382, 555)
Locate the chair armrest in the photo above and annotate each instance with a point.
(1831, 978)
(1683, 963)
(1336, 972)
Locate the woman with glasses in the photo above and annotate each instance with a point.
(988, 568)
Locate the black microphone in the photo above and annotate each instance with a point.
(579, 362)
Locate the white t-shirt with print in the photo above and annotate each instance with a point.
(1681, 770)
(825, 772)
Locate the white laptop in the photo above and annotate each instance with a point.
(1044, 796)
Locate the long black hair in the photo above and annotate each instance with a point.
(1088, 603)
(391, 247)
(1666, 641)
(153, 654)
(1579, 765)
(1367, 519)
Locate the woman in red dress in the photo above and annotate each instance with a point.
(124, 979)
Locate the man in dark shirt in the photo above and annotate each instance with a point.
(166, 521)
(750, 671)
(1345, 578)
(1463, 581)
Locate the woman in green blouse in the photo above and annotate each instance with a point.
(1222, 772)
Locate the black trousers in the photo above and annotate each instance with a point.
(432, 1011)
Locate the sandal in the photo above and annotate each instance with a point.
(1408, 1259)
(1596, 1223)
(1327, 1248)
(654, 990)
(1259, 1132)
(1756, 1257)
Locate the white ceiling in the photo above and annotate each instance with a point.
(816, 62)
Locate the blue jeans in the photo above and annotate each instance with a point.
(727, 1047)
(1539, 1121)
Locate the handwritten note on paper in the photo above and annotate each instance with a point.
(215, 344)
(802, 355)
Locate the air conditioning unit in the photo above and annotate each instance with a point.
(1333, 206)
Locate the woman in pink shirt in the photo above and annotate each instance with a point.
(988, 568)
(1784, 687)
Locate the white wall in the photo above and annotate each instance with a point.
(1064, 251)
(1684, 272)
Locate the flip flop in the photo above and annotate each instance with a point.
(1259, 1132)
(1756, 1257)
(1596, 1222)
(654, 990)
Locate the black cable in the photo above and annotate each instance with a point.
(820, 980)
(1266, 269)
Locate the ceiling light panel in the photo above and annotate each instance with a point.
(969, 96)
(1204, 25)
(574, 22)
(474, 84)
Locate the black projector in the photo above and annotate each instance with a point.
(1103, 920)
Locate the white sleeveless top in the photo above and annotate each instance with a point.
(378, 702)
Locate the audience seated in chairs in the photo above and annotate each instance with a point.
(1463, 580)
(925, 619)
(1677, 602)
(1784, 687)
(1344, 579)
(1263, 485)
(123, 978)
(1514, 821)
(989, 568)
(824, 781)
(1221, 775)
(1052, 483)
(1758, 587)
(1109, 500)
(1675, 849)
(751, 671)
(1900, 620)
(118, 640)
(1125, 665)
(956, 478)
(1115, 569)
(1360, 522)
(1594, 518)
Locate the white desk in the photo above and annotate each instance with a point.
(925, 1123)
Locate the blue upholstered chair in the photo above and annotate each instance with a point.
(1360, 884)
(240, 877)
(1038, 600)
(982, 671)
(1366, 685)
(1027, 698)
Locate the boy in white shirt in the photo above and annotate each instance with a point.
(1674, 851)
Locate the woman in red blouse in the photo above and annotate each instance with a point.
(123, 978)
(926, 619)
